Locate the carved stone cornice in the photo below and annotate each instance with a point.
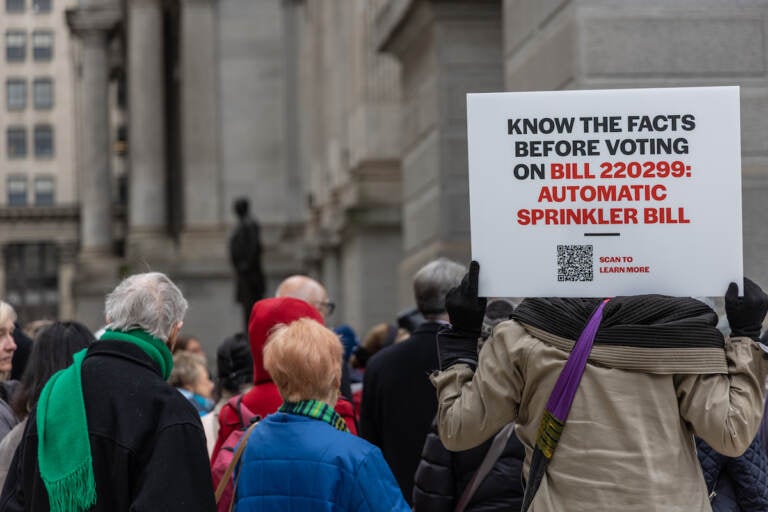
(20, 213)
(389, 19)
(89, 19)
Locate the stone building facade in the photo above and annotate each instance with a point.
(344, 122)
(38, 213)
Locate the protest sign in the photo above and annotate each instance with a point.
(605, 193)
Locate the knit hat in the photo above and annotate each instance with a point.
(348, 339)
(265, 315)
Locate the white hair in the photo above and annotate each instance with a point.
(6, 312)
(150, 302)
(432, 283)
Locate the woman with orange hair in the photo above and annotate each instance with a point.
(303, 457)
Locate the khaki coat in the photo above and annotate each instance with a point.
(628, 443)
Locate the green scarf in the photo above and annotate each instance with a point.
(63, 446)
(317, 410)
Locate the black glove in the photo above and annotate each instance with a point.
(458, 344)
(465, 309)
(745, 314)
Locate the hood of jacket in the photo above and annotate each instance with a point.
(646, 333)
(265, 315)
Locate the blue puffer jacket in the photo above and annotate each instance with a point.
(740, 483)
(293, 463)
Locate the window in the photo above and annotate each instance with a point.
(16, 94)
(42, 44)
(17, 191)
(15, 46)
(17, 142)
(41, 5)
(42, 90)
(32, 279)
(43, 140)
(14, 5)
(44, 191)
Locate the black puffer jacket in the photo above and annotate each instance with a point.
(442, 476)
(740, 483)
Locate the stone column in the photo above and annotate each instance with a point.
(67, 269)
(92, 25)
(204, 212)
(147, 217)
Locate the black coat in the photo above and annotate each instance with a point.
(443, 475)
(740, 483)
(147, 443)
(399, 402)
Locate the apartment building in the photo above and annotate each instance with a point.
(38, 212)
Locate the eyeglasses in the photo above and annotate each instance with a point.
(326, 308)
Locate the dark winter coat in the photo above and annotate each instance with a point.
(8, 418)
(443, 475)
(147, 443)
(399, 402)
(740, 484)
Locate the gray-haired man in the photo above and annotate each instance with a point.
(108, 433)
(399, 401)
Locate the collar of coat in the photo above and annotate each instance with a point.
(647, 333)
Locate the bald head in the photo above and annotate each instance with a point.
(306, 289)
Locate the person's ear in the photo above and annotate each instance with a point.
(174, 334)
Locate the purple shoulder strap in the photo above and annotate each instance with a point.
(559, 405)
(561, 399)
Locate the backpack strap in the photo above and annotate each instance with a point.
(243, 420)
(233, 463)
(238, 406)
(491, 456)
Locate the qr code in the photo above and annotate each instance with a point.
(574, 263)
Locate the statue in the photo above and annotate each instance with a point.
(245, 252)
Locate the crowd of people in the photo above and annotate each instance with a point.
(539, 405)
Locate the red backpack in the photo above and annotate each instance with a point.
(226, 460)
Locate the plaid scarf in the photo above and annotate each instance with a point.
(317, 410)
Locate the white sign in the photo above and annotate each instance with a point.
(605, 193)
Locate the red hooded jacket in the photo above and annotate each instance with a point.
(264, 398)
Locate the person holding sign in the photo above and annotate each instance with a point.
(635, 377)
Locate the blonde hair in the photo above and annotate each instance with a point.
(187, 368)
(304, 360)
(6, 312)
(380, 336)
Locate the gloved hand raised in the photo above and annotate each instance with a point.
(745, 314)
(466, 311)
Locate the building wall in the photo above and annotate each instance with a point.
(446, 49)
(252, 89)
(350, 144)
(606, 44)
(259, 125)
